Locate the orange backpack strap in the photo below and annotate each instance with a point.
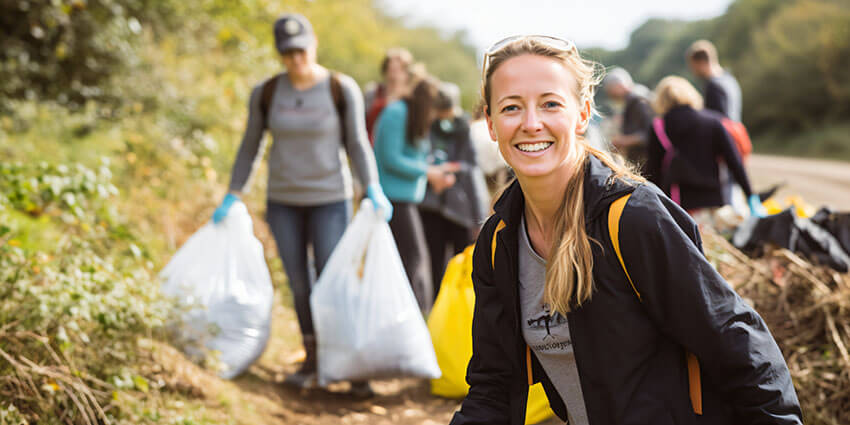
(694, 384)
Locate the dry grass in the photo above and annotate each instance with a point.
(807, 309)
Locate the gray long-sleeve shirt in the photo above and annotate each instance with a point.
(307, 163)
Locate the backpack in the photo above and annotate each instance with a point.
(676, 169)
(614, 213)
(267, 91)
(694, 384)
(740, 136)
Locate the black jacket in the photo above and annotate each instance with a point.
(700, 137)
(466, 202)
(630, 353)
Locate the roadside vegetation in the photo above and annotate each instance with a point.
(120, 119)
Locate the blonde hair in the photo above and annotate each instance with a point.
(675, 91)
(569, 268)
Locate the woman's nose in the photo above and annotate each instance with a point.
(531, 121)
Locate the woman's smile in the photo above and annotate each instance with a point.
(534, 148)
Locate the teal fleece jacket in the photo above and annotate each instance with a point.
(401, 165)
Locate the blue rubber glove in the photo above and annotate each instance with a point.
(756, 208)
(221, 212)
(379, 200)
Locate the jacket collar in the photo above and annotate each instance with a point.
(600, 189)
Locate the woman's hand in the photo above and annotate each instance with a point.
(441, 177)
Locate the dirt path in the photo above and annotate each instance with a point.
(818, 182)
(397, 401)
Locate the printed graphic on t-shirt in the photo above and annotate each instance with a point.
(547, 332)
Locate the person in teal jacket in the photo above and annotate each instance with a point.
(401, 153)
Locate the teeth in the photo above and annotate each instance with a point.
(534, 147)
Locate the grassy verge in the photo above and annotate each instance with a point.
(830, 141)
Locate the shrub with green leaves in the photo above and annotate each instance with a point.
(70, 316)
(68, 49)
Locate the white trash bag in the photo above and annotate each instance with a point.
(220, 275)
(368, 324)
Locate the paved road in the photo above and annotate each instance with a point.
(818, 182)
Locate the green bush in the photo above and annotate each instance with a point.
(804, 50)
(67, 49)
(71, 313)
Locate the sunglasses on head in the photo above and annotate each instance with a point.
(549, 41)
(553, 42)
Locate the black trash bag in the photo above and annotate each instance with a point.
(797, 234)
(837, 224)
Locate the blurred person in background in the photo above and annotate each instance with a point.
(700, 139)
(401, 152)
(396, 70)
(494, 167)
(636, 115)
(722, 92)
(452, 211)
(313, 116)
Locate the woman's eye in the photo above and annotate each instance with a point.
(551, 104)
(510, 108)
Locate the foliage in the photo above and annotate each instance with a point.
(97, 196)
(805, 49)
(74, 50)
(70, 312)
(67, 49)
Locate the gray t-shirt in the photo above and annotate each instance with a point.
(307, 164)
(548, 335)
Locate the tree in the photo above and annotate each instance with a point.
(67, 50)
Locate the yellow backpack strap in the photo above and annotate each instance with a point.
(499, 227)
(694, 383)
(614, 213)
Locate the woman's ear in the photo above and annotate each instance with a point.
(584, 118)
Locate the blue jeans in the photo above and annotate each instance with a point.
(297, 229)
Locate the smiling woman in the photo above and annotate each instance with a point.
(615, 326)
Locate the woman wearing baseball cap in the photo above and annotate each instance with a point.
(313, 115)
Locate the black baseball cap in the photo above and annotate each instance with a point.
(293, 31)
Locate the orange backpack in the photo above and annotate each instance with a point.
(740, 136)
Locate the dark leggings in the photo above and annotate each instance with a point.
(445, 240)
(297, 229)
(409, 235)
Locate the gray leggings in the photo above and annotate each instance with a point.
(297, 229)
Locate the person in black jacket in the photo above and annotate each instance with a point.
(700, 139)
(722, 94)
(455, 206)
(603, 318)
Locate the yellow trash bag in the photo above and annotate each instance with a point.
(801, 208)
(450, 324)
